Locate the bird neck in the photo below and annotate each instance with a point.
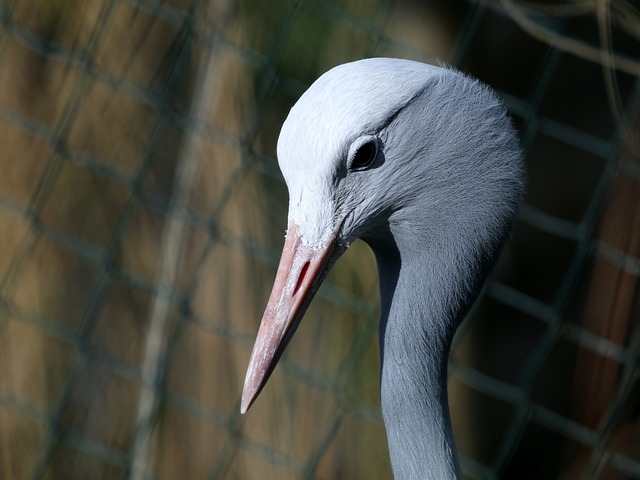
(417, 324)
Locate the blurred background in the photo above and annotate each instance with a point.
(142, 214)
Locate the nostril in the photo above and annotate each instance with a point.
(303, 272)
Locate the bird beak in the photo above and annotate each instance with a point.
(300, 273)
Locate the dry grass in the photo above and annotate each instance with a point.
(74, 384)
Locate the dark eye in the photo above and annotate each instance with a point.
(364, 156)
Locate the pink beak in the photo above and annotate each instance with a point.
(300, 273)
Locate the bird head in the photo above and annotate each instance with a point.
(389, 151)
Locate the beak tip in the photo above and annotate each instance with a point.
(247, 401)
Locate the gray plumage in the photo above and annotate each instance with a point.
(436, 205)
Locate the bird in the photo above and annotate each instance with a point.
(423, 164)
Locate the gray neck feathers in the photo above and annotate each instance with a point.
(415, 334)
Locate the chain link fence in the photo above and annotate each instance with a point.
(142, 213)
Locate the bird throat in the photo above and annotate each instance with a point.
(415, 337)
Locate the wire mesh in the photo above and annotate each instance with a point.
(142, 212)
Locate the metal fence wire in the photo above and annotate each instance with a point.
(142, 213)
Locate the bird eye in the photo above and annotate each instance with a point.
(364, 156)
